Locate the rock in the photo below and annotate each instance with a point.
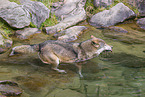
(65, 93)
(38, 11)
(118, 29)
(139, 4)
(72, 33)
(9, 88)
(69, 16)
(68, 8)
(141, 23)
(26, 33)
(5, 42)
(102, 3)
(115, 15)
(14, 14)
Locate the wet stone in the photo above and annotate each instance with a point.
(118, 29)
(9, 88)
(71, 34)
(26, 33)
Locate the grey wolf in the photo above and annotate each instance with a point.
(55, 52)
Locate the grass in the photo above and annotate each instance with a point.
(5, 30)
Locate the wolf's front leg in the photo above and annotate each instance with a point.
(80, 69)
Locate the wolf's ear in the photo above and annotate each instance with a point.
(92, 36)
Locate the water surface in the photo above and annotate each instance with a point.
(117, 74)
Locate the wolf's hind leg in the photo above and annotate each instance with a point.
(55, 66)
(50, 58)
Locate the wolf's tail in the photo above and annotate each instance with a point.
(25, 49)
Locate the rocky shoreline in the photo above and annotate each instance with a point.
(69, 14)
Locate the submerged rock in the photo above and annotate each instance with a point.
(116, 14)
(118, 29)
(26, 33)
(102, 3)
(141, 23)
(69, 16)
(5, 42)
(14, 14)
(9, 89)
(38, 11)
(72, 33)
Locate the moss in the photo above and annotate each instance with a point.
(5, 30)
(16, 1)
(50, 21)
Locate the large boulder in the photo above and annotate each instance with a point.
(69, 16)
(5, 42)
(38, 10)
(14, 14)
(102, 3)
(26, 33)
(141, 23)
(72, 33)
(116, 14)
(67, 8)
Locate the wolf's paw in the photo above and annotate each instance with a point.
(58, 70)
(62, 71)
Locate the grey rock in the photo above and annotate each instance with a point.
(139, 4)
(72, 33)
(5, 42)
(67, 8)
(102, 3)
(115, 15)
(38, 11)
(69, 17)
(9, 88)
(14, 14)
(26, 33)
(141, 23)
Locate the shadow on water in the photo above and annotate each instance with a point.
(127, 60)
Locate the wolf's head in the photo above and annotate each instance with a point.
(100, 45)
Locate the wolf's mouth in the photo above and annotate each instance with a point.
(108, 51)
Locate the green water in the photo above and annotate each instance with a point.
(118, 74)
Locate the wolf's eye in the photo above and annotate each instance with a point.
(93, 42)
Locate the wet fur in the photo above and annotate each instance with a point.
(55, 52)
